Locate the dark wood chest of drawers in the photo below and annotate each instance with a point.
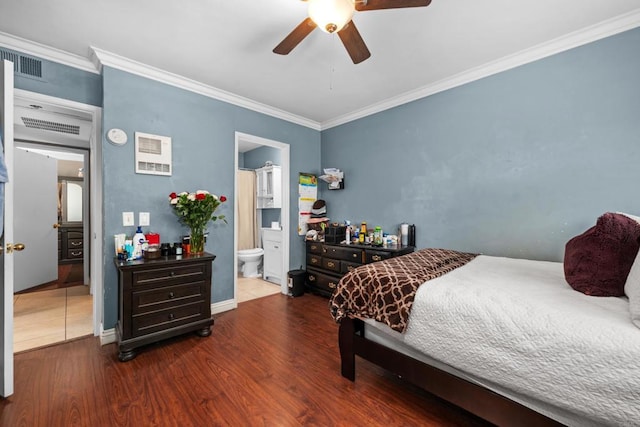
(70, 245)
(327, 263)
(162, 298)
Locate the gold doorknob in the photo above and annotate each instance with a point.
(17, 247)
(56, 225)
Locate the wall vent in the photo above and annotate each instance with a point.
(23, 65)
(50, 126)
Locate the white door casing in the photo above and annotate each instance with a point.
(6, 258)
(35, 213)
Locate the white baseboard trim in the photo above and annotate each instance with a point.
(109, 336)
(222, 306)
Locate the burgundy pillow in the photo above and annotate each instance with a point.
(598, 261)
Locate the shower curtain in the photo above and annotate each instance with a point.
(247, 214)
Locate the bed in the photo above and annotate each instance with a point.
(509, 340)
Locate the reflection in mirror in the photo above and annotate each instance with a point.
(71, 203)
(74, 201)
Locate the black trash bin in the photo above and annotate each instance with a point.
(296, 282)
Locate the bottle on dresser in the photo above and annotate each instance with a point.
(363, 233)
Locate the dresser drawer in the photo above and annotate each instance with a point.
(348, 254)
(314, 248)
(75, 243)
(167, 297)
(74, 235)
(346, 266)
(314, 260)
(169, 275)
(322, 281)
(331, 264)
(74, 253)
(373, 255)
(160, 320)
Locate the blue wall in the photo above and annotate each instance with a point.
(203, 137)
(64, 82)
(514, 164)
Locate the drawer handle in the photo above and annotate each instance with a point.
(314, 247)
(171, 295)
(332, 285)
(350, 268)
(76, 253)
(276, 247)
(314, 261)
(331, 264)
(171, 316)
(172, 274)
(354, 255)
(312, 278)
(376, 257)
(76, 243)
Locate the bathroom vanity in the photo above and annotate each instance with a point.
(272, 263)
(161, 298)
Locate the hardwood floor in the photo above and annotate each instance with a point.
(273, 361)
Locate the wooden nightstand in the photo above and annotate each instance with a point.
(161, 298)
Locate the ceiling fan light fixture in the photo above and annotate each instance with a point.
(331, 15)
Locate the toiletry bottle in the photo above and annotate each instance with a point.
(138, 241)
(347, 232)
(363, 232)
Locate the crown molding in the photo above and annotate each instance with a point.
(587, 35)
(49, 53)
(101, 58)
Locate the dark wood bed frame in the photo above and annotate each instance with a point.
(471, 397)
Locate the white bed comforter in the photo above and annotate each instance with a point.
(517, 324)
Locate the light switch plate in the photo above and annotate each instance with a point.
(143, 219)
(127, 219)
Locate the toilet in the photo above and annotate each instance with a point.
(250, 260)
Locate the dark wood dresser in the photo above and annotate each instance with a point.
(161, 298)
(327, 263)
(70, 244)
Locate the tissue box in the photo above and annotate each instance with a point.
(153, 238)
(335, 233)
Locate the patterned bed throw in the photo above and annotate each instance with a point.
(384, 290)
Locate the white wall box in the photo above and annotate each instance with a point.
(272, 262)
(269, 187)
(153, 154)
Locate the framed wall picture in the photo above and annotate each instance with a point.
(153, 154)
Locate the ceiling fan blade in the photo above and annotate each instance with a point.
(352, 41)
(390, 4)
(295, 37)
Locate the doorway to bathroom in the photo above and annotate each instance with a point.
(261, 217)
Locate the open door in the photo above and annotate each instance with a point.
(6, 222)
(36, 218)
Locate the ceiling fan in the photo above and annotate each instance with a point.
(335, 16)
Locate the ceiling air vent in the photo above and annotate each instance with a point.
(23, 65)
(51, 126)
(10, 56)
(30, 66)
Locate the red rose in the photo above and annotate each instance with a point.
(223, 198)
(173, 195)
(201, 196)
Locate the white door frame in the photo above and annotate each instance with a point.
(6, 335)
(94, 238)
(284, 217)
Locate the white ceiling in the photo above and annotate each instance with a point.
(227, 44)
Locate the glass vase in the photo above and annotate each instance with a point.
(196, 241)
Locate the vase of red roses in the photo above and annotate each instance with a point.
(195, 210)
